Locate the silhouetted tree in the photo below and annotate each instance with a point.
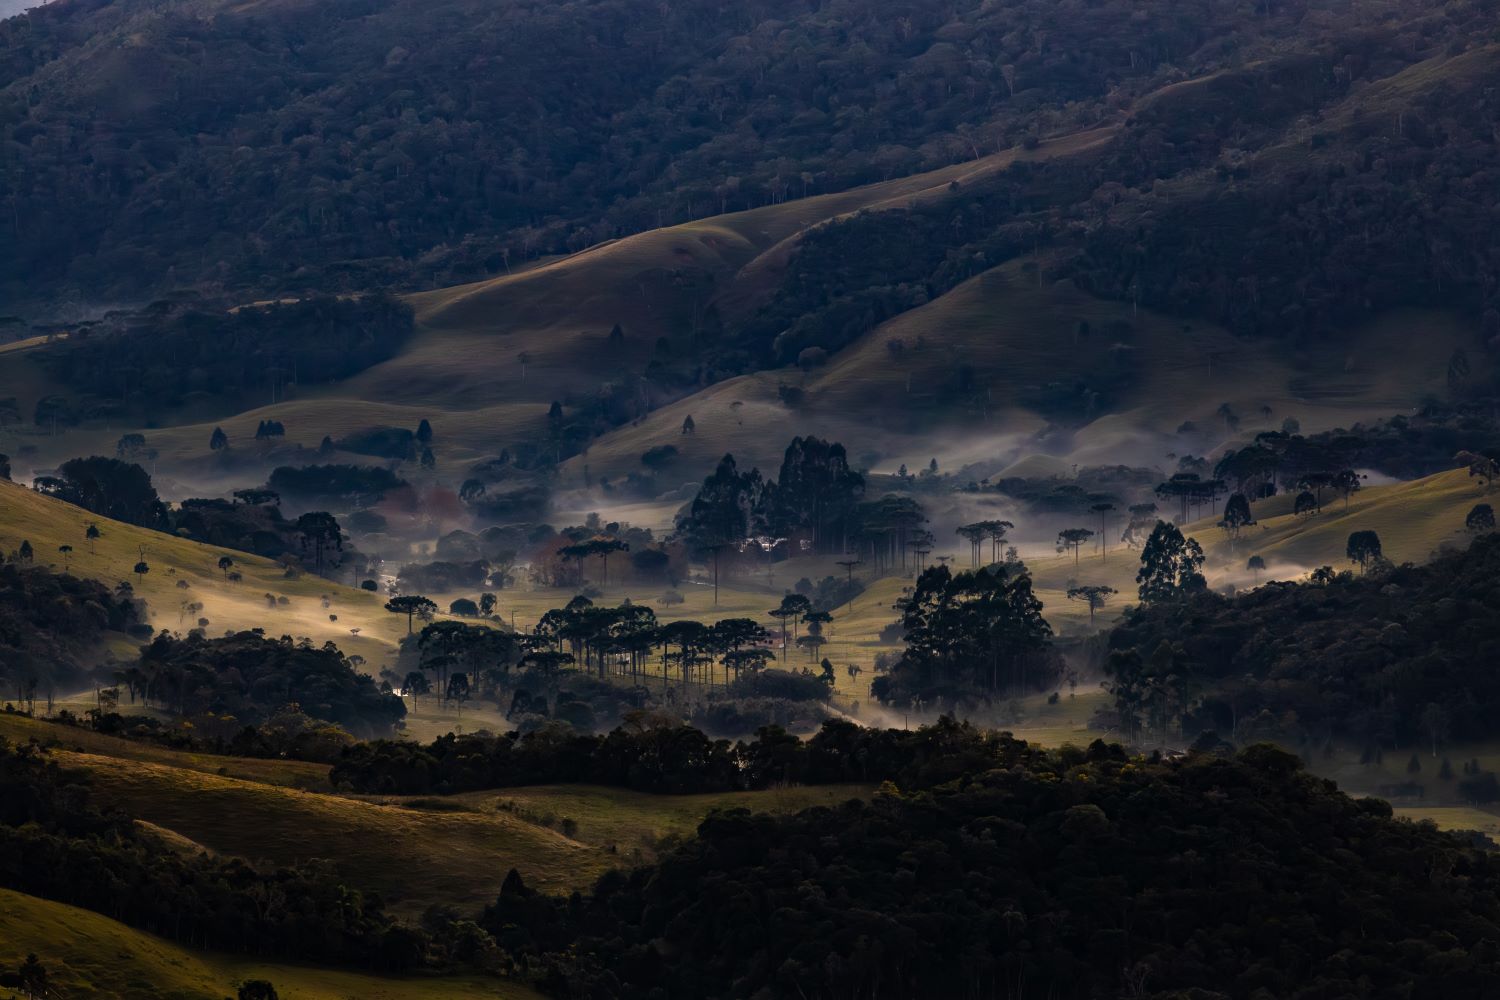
(1363, 548)
(1170, 565)
(1073, 538)
(1096, 596)
(1481, 518)
(409, 605)
(1236, 515)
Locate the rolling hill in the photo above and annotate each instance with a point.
(49, 523)
(88, 955)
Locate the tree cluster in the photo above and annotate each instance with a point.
(971, 637)
(815, 500)
(334, 483)
(250, 677)
(50, 626)
(109, 487)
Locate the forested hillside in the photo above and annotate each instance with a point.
(353, 143)
(1076, 874)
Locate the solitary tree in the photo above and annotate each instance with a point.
(1435, 723)
(226, 563)
(1480, 519)
(130, 445)
(487, 604)
(257, 989)
(1236, 515)
(1095, 596)
(33, 977)
(1346, 481)
(1363, 548)
(424, 432)
(218, 440)
(66, 550)
(410, 605)
(92, 533)
(25, 554)
(1482, 466)
(1073, 538)
(416, 684)
(320, 531)
(1103, 510)
(140, 570)
(1255, 565)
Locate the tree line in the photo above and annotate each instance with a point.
(652, 754)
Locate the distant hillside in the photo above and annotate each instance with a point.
(354, 143)
(184, 572)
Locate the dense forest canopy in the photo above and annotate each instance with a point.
(1069, 874)
(1401, 657)
(352, 143)
(181, 351)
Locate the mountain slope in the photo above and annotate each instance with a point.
(376, 141)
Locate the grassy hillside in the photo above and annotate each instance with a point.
(414, 851)
(413, 857)
(1412, 519)
(49, 523)
(87, 955)
(1018, 341)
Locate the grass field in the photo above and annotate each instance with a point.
(48, 523)
(633, 825)
(412, 857)
(87, 955)
(1016, 339)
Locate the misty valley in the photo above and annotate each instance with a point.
(814, 500)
